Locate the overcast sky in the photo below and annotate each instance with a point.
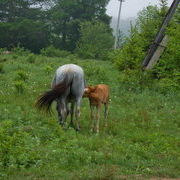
(130, 8)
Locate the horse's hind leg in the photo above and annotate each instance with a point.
(77, 114)
(72, 115)
(62, 112)
(59, 112)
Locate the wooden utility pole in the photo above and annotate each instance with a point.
(157, 48)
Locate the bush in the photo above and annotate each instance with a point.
(21, 75)
(1, 68)
(20, 51)
(19, 85)
(51, 51)
(136, 79)
(95, 74)
(48, 69)
(31, 58)
(16, 148)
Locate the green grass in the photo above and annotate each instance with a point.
(141, 141)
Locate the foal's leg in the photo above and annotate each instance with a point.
(106, 113)
(92, 123)
(98, 117)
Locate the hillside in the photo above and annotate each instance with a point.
(141, 140)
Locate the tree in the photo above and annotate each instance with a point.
(21, 23)
(141, 36)
(67, 15)
(95, 41)
(57, 21)
(28, 33)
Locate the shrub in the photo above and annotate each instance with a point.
(16, 148)
(48, 69)
(1, 68)
(19, 85)
(51, 51)
(31, 58)
(21, 75)
(95, 73)
(21, 51)
(15, 56)
(2, 50)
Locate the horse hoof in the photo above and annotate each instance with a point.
(78, 129)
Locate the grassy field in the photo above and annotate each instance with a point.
(142, 139)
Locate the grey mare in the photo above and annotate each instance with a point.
(67, 89)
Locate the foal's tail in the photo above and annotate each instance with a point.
(45, 100)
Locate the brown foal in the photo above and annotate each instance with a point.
(97, 95)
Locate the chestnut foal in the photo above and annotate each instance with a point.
(97, 95)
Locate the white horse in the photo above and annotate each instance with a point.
(67, 87)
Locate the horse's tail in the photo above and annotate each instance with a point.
(45, 100)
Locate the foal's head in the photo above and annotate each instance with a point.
(88, 90)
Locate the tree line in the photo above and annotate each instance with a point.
(36, 24)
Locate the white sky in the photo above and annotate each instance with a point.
(130, 8)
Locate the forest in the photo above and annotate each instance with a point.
(142, 138)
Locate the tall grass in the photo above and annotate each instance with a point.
(141, 140)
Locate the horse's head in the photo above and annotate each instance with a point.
(88, 90)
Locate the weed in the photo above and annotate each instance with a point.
(1, 68)
(21, 75)
(19, 85)
(31, 58)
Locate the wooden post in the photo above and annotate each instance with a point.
(156, 49)
(157, 53)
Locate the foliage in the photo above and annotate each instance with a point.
(66, 17)
(95, 41)
(27, 33)
(19, 86)
(97, 73)
(37, 24)
(15, 147)
(20, 51)
(48, 69)
(168, 67)
(31, 58)
(130, 56)
(1, 68)
(51, 51)
(21, 75)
